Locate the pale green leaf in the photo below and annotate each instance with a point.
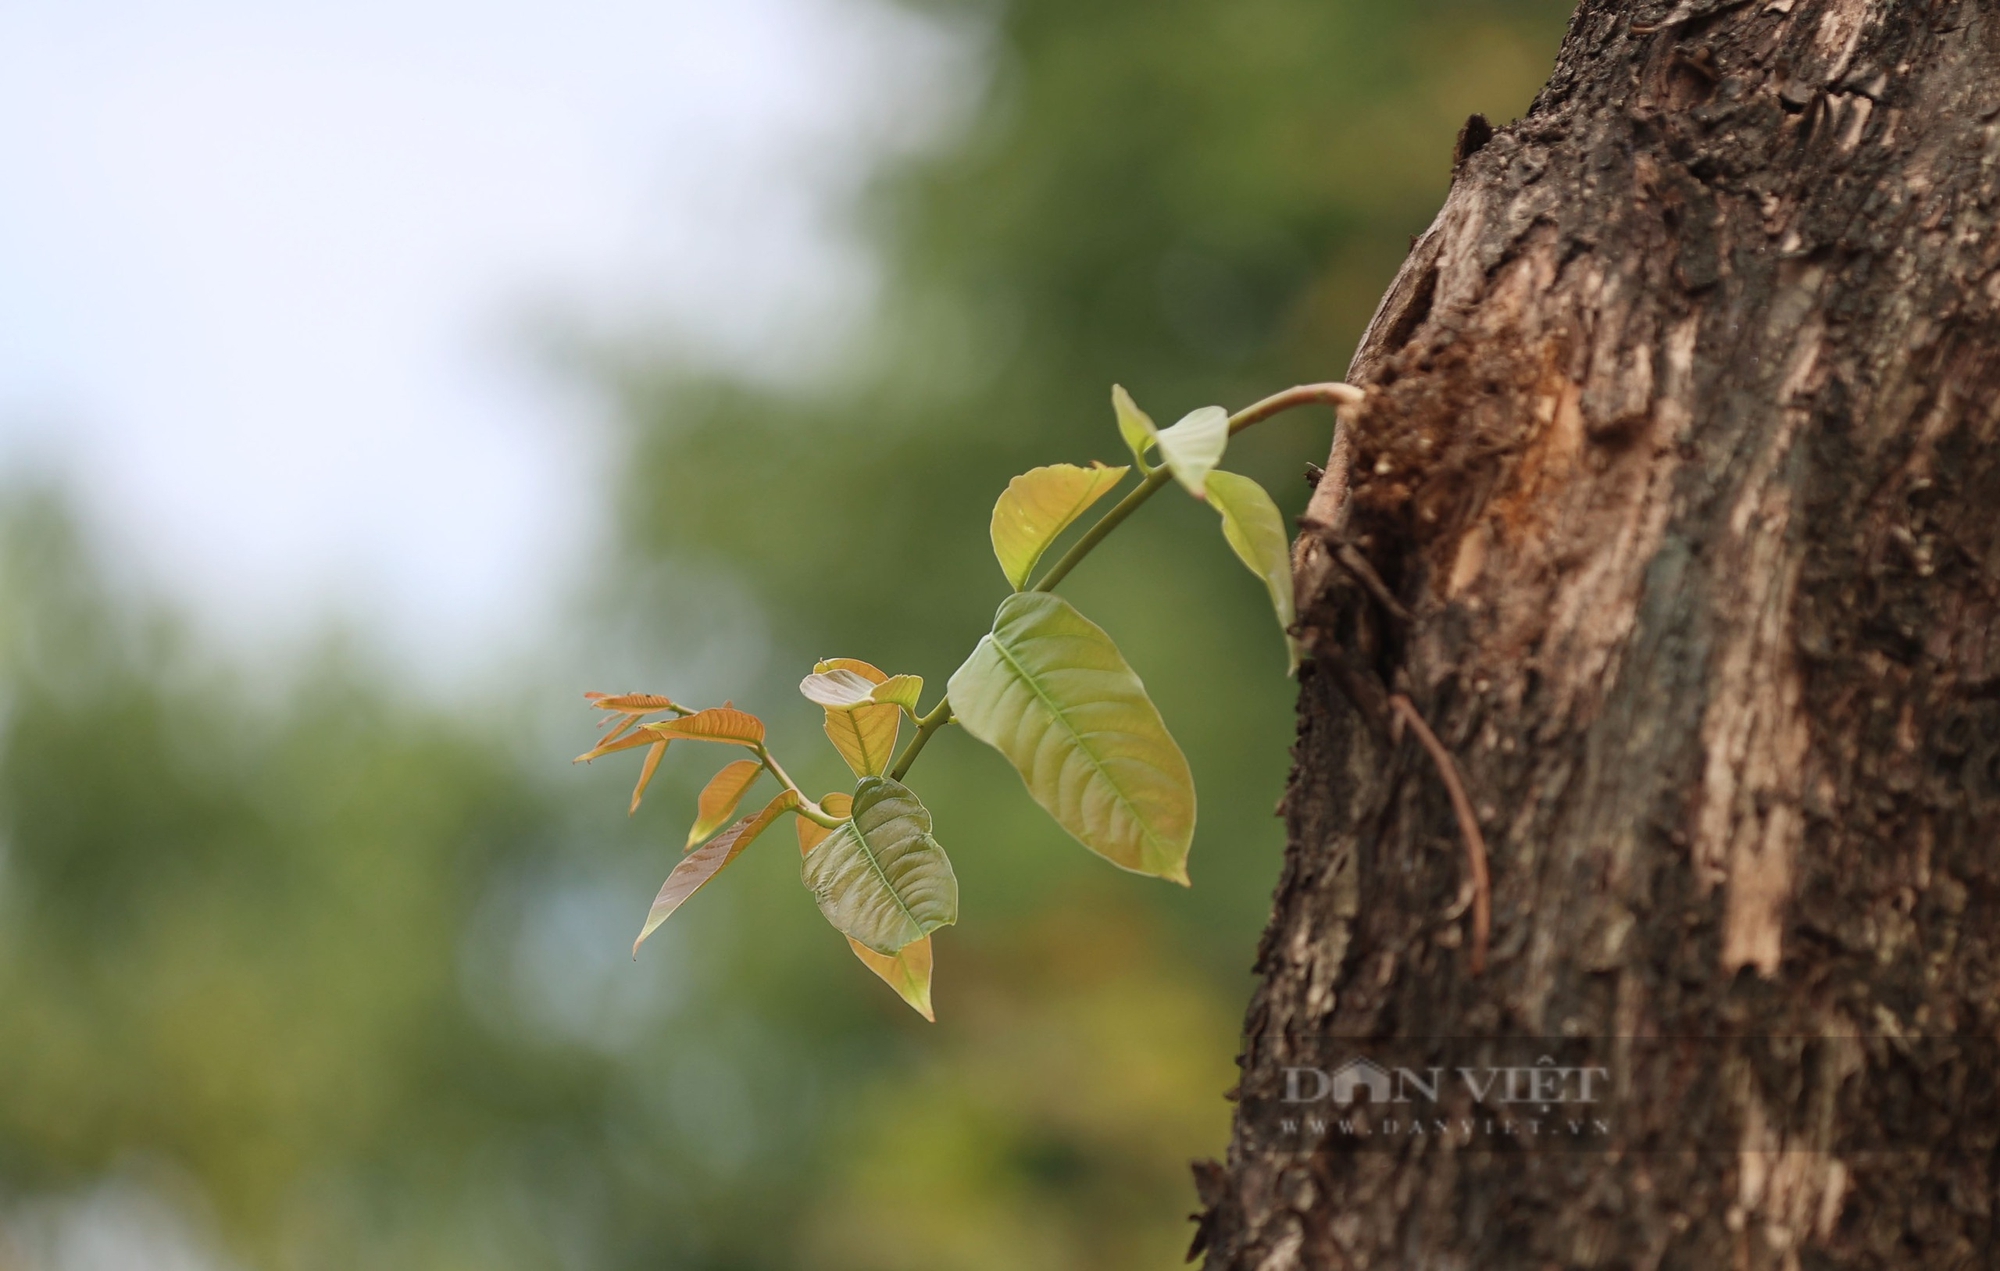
(900, 690)
(1050, 691)
(1037, 507)
(708, 860)
(837, 689)
(881, 879)
(1256, 532)
(1134, 425)
(1192, 447)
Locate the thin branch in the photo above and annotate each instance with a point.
(1357, 566)
(1468, 826)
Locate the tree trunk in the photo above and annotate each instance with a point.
(1678, 447)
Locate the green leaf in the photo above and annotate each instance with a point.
(1038, 506)
(708, 860)
(1134, 425)
(881, 879)
(1190, 449)
(1256, 532)
(1050, 691)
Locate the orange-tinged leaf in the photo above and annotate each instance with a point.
(719, 798)
(705, 862)
(812, 833)
(908, 972)
(646, 772)
(627, 742)
(856, 665)
(865, 736)
(717, 723)
(633, 703)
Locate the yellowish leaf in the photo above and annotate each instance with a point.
(1134, 425)
(1256, 533)
(1037, 507)
(718, 723)
(705, 862)
(719, 798)
(646, 771)
(908, 971)
(900, 690)
(865, 736)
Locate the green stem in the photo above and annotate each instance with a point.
(1333, 394)
(1105, 524)
(807, 808)
(927, 726)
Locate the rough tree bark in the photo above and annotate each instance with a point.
(1679, 446)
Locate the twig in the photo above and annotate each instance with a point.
(1358, 568)
(1468, 826)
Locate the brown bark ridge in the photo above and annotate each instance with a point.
(1679, 448)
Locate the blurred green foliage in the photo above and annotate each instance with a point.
(346, 974)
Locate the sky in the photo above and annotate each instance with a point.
(278, 282)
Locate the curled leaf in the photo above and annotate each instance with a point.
(708, 860)
(856, 665)
(612, 745)
(1134, 425)
(900, 690)
(1037, 507)
(1256, 533)
(718, 723)
(1049, 690)
(908, 971)
(632, 703)
(719, 798)
(812, 833)
(646, 771)
(881, 879)
(1192, 447)
(838, 689)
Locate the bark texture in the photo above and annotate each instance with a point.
(1679, 445)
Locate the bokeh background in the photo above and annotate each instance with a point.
(375, 378)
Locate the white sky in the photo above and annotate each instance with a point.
(269, 272)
